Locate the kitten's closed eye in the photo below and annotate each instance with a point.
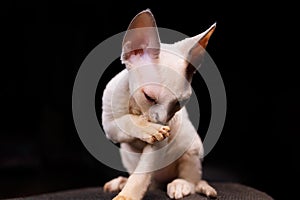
(150, 99)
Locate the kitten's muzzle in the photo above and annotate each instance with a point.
(158, 114)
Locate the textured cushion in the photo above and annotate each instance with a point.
(230, 191)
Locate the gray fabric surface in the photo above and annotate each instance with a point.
(226, 191)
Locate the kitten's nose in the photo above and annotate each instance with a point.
(158, 114)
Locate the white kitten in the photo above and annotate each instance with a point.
(143, 109)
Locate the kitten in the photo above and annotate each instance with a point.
(143, 109)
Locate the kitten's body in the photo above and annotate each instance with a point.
(145, 124)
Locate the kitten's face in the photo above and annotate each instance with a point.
(159, 74)
(159, 87)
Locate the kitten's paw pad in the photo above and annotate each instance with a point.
(180, 188)
(204, 188)
(165, 131)
(161, 132)
(115, 185)
(120, 197)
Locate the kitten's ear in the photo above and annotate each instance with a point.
(141, 37)
(204, 37)
(196, 49)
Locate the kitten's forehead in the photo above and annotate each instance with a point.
(173, 65)
(173, 57)
(162, 77)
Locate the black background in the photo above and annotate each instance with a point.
(44, 43)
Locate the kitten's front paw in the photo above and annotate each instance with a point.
(180, 188)
(158, 133)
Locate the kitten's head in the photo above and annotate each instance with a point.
(160, 74)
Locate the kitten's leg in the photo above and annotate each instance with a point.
(189, 173)
(138, 182)
(115, 185)
(204, 188)
(189, 166)
(189, 181)
(129, 127)
(135, 187)
(125, 129)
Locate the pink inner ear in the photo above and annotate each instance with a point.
(137, 51)
(150, 53)
(204, 40)
(132, 55)
(141, 37)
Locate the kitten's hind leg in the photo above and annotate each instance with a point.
(115, 185)
(203, 187)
